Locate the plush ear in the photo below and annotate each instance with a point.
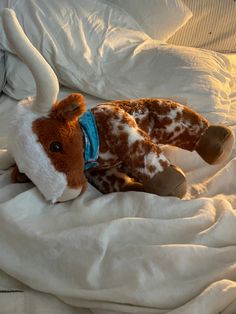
(70, 108)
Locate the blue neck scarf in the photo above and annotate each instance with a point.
(91, 139)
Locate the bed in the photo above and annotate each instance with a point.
(129, 252)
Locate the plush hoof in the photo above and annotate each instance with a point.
(216, 144)
(170, 182)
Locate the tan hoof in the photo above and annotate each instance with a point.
(216, 144)
(170, 182)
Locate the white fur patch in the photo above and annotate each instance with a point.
(107, 155)
(133, 135)
(30, 155)
(140, 114)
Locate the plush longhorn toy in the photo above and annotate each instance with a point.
(116, 144)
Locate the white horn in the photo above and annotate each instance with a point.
(47, 86)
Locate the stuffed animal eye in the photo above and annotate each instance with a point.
(56, 147)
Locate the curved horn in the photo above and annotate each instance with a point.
(47, 86)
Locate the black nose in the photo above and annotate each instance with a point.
(56, 147)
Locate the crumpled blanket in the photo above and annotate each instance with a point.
(129, 252)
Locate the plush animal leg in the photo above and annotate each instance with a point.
(112, 180)
(148, 163)
(168, 122)
(216, 144)
(122, 139)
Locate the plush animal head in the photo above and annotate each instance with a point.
(45, 139)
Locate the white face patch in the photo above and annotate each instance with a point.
(30, 155)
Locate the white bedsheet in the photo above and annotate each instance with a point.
(232, 58)
(124, 252)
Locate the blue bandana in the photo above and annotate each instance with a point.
(91, 149)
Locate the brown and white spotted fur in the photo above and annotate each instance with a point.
(130, 134)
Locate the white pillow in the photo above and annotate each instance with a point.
(160, 19)
(71, 39)
(100, 50)
(19, 82)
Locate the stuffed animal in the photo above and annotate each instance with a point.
(116, 145)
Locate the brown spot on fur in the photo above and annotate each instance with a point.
(151, 168)
(112, 180)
